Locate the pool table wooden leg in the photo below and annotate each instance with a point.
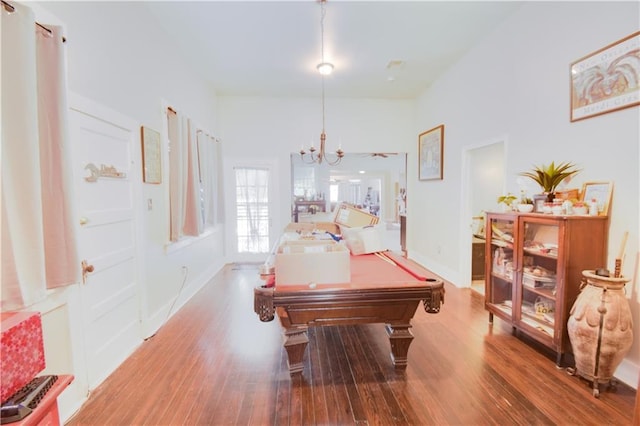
(400, 338)
(295, 342)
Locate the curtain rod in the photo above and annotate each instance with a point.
(10, 8)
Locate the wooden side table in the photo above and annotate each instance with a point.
(46, 413)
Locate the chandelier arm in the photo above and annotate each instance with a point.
(334, 162)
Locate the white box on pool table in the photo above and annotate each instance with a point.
(304, 262)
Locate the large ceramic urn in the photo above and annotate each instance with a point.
(600, 327)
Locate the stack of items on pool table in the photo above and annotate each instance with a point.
(313, 279)
(318, 252)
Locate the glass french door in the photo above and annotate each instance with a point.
(252, 210)
(251, 234)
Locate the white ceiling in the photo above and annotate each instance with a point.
(271, 48)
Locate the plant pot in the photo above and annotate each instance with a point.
(600, 327)
(525, 208)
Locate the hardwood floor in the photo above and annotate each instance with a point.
(215, 363)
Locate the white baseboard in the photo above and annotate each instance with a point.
(628, 373)
(152, 324)
(444, 272)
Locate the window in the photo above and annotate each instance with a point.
(304, 184)
(194, 184)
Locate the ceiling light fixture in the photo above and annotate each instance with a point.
(324, 68)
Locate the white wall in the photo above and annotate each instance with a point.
(276, 127)
(120, 58)
(516, 83)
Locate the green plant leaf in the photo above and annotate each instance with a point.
(549, 177)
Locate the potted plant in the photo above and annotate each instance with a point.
(549, 177)
(525, 204)
(507, 200)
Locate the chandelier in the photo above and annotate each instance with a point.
(324, 68)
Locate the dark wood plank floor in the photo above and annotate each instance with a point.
(215, 363)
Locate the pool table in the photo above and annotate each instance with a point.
(384, 288)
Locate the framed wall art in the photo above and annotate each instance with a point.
(151, 155)
(606, 80)
(538, 202)
(601, 192)
(431, 154)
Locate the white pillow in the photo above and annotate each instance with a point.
(365, 239)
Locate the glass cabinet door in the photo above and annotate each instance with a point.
(499, 281)
(537, 285)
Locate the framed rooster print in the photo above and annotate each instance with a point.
(606, 80)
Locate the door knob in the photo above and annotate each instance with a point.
(83, 221)
(86, 269)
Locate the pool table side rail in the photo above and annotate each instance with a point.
(266, 300)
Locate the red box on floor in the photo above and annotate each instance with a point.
(21, 350)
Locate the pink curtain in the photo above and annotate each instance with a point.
(192, 213)
(184, 179)
(61, 257)
(31, 132)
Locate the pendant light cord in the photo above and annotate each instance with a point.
(322, 14)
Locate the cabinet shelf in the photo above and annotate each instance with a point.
(544, 292)
(543, 326)
(547, 255)
(541, 254)
(505, 310)
(500, 243)
(502, 277)
(536, 320)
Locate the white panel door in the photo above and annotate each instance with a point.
(104, 163)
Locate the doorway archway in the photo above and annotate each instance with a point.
(483, 180)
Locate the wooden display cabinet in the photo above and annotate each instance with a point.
(534, 265)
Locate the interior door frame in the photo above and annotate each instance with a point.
(466, 222)
(275, 225)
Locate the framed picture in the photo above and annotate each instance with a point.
(538, 202)
(431, 154)
(606, 80)
(151, 155)
(601, 192)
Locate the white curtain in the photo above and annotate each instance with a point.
(61, 256)
(38, 240)
(219, 188)
(176, 187)
(208, 153)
